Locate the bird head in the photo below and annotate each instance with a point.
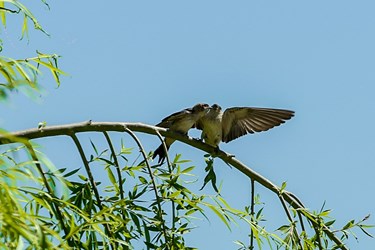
(201, 107)
(216, 107)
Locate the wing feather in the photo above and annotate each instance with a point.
(175, 117)
(239, 121)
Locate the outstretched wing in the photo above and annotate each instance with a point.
(173, 118)
(242, 120)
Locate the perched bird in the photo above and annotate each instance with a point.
(234, 122)
(180, 122)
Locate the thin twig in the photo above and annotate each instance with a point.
(290, 219)
(317, 232)
(9, 10)
(119, 176)
(170, 172)
(57, 211)
(158, 199)
(88, 170)
(117, 166)
(301, 221)
(252, 212)
(39, 167)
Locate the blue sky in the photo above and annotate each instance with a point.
(139, 61)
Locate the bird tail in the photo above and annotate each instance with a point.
(161, 153)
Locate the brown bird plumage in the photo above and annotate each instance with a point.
(179, 122)
(234, 122)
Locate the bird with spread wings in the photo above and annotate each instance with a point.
(218, 126)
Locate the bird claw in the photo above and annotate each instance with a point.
(215, 153)
(217, 149)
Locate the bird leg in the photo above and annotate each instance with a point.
(216, 152)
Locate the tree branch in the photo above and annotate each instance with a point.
(157, 197)
(115, 161)
(170, 169)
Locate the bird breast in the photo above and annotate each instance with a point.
(212, 130)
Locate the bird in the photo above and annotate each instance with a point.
(179, 122)
(218, 126)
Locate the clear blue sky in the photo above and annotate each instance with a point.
(139, 61)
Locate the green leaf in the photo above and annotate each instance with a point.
(284, 228)
(348, 225)
(111, 176)
(223, 201)
(329, 223)
(259, 213)
(94, 147)
(142, 180)
(135, 220)
(365, 232)
(82, 177)
(24, 74)
(187, 170)
(25, 29)
(106, 161)
(2, 14)
(137, 195)
(325, 213)
(211, 176)
(219, 214)
(61, 170)
(54, 70)
(177, 157)
(71, 172)
(174, 194)
(283, 186)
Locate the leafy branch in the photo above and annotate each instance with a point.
(25, 72)
(20, 8)
(289, 201)
(22, 74)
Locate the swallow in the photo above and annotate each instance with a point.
(180, 122)
(218, 126)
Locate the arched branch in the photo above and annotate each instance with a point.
(115, 161)
(170, 171)
(154, 187)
